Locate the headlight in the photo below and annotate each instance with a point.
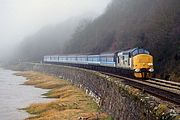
(150, 64)
(151, 70)
(137, 70)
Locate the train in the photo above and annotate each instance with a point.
(137, 61)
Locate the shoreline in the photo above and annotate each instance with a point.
(15, 95)
(70, 102)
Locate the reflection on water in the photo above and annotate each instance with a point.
(13, 95)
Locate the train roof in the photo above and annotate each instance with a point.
(130, 50)
(107, 54)
(101, 54)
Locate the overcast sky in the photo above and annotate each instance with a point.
(21, 18)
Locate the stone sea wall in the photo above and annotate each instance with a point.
(121, 101)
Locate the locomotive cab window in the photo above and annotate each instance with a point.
(139, 51)
(145, 51)
(135, 52)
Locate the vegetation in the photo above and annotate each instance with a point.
(152, 24)
(71, 103)
(126, 24)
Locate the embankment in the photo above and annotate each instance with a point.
(121, 101)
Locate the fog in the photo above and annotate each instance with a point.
(22, 18)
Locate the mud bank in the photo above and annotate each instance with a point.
(71, 103)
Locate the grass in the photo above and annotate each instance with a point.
(71, 104)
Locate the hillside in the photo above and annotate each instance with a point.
(48, 40)
(153, 24)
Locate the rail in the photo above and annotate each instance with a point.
(169, 92)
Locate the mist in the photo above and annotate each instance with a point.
(22, 18)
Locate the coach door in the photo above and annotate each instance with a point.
(118, 61)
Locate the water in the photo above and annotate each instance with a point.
(13, 96)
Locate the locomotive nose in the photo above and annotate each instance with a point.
(143, 61)
(143, 65)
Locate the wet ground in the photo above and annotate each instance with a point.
(14, 95)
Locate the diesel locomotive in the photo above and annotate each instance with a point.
(137, 60)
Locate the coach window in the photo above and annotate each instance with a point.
(94, 58)
(103, 59)
(109, 59)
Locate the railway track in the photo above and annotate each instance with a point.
(166, 90)
(164, 83)
(167, 82)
